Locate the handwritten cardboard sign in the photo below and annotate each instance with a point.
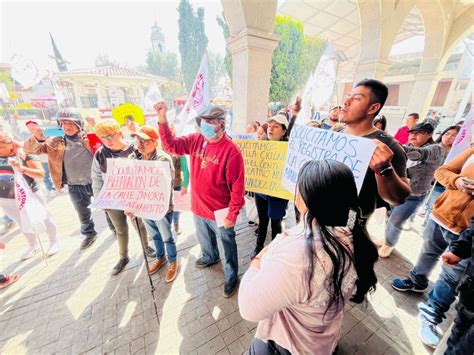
(142, 187)
(181, 203)
(264, 165)
(308, 143)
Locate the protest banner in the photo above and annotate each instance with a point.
(463, 138)
(140, 186)
(182, 203)
(264, 164)
(308, 143)
(243, 135)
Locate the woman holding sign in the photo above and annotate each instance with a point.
(271, 208)
(115, 146)
(319, 265)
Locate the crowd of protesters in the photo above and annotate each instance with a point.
(297, 284)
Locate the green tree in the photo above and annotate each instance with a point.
(192, 40)
(295, 57)
(217, 70)
(7, 80)
(287, 60)
(163, 64)
(228, 57)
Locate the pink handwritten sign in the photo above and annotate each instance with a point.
(181, 203)
(142, 187)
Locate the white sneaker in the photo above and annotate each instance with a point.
(53, 249)
(51, 193)
(30, 252)
(385, 251)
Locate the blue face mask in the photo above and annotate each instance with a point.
(208, 130)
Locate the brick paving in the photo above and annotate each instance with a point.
(72, 305)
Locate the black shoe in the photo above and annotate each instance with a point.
(88, 241)
(229, 289)
(200, 264)
(150, 252)
(118, 268)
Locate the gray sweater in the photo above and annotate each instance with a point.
(421, 165)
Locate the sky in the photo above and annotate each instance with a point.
(83, 30)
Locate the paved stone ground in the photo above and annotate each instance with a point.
(72, 305)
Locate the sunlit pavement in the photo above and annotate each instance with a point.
(72, 305)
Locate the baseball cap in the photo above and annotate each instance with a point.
(147, 132)
(279, 118)
(423, 126)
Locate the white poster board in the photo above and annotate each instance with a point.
(140, 186)
(308, 143)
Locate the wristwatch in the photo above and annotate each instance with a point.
(385, 171)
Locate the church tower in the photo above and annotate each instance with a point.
(157, 39)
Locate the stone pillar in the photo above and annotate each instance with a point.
(251, 63)
(422, 93)
(371, 69)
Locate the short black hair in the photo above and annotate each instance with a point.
(414, 114)
(378, 89)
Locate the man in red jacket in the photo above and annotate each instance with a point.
(217, 182)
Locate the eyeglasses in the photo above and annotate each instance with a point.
(143, 141)
(108, 138)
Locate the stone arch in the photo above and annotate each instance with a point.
(462, 28)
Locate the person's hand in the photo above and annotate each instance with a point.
(464, 186)
(382, 156)
(450, 259)
(228, 224)
(184, 191)
(130, 214)
(161, 110)
(15, 163)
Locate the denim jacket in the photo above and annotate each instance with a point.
(421, 165)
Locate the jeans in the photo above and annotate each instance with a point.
(176, 213)
(162, 236)
(80, 196)
(443, 293)
(259, 347)
(438, 190)
(207, 231)
(119, 220)
(47, 177)
(398, 216)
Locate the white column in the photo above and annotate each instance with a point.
(98, 90)
(251, 62)
(422, 93)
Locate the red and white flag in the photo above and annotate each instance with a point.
(32, 212)
(464, 137)
(198, 99)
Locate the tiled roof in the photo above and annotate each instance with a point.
(111, 71)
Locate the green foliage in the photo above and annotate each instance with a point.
(192, 40)
(217, 70)
(171, 90)
(7, 80)
(163, 64)
(222, 22)
(295, 57)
